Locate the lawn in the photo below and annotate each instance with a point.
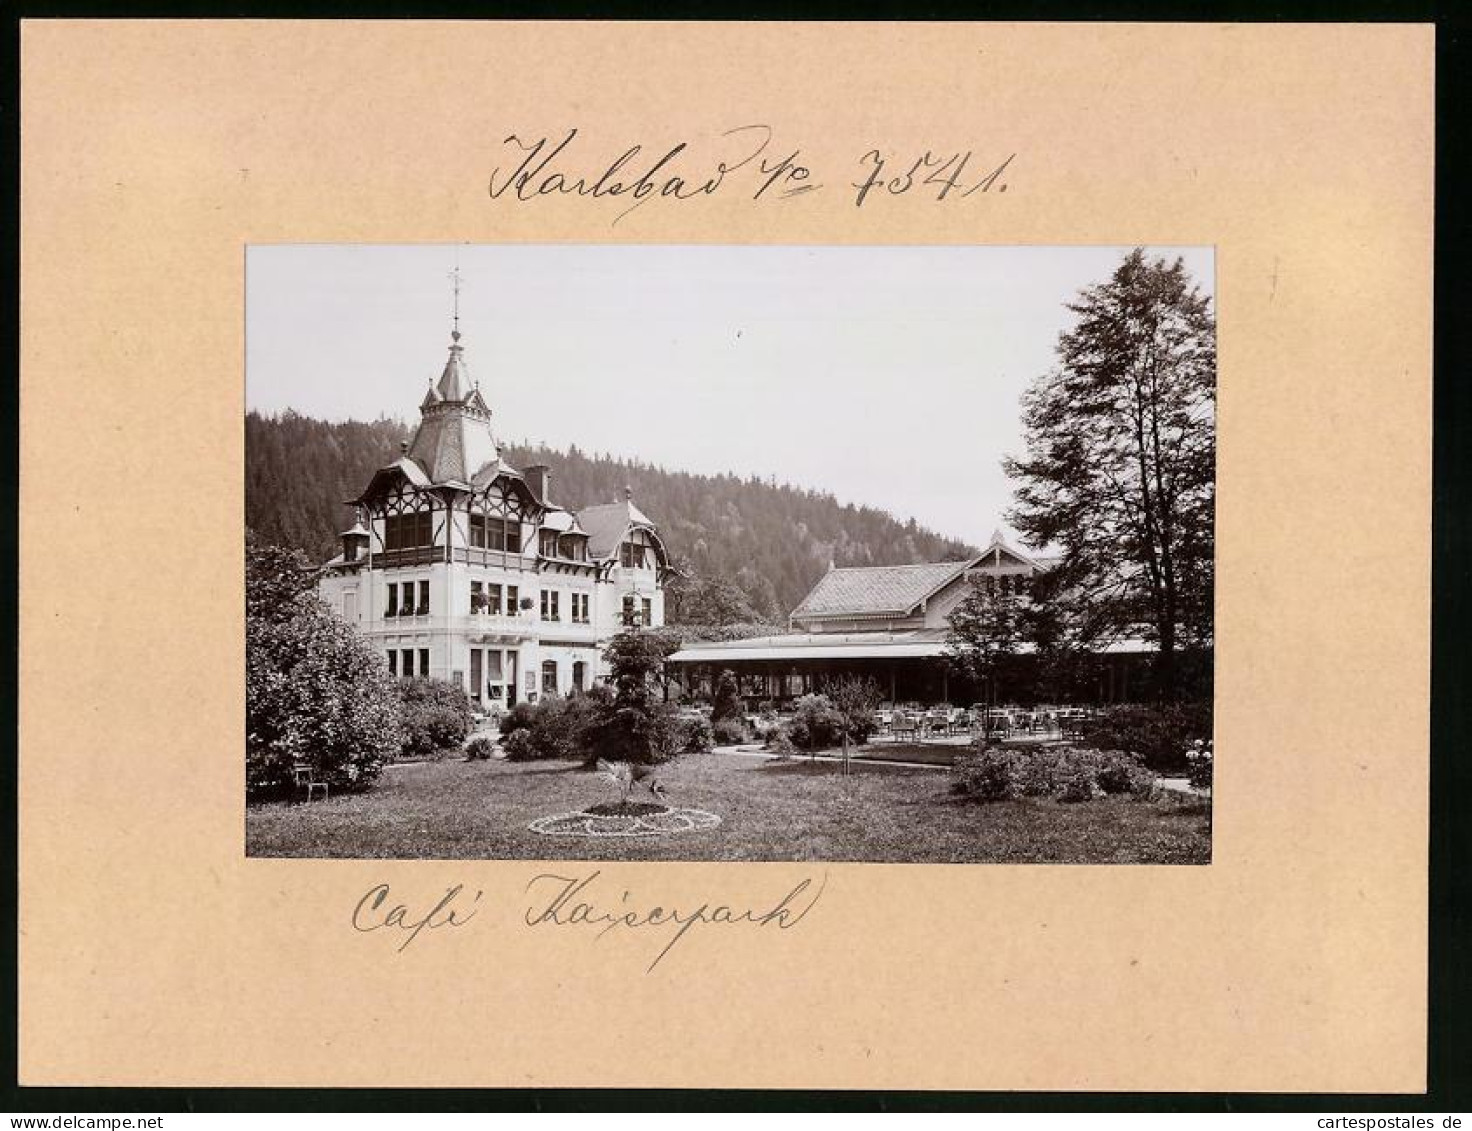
(770, 810)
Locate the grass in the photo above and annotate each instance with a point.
(770, 810)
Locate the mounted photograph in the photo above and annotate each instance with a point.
(730, 553)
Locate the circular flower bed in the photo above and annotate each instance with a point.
(630, 818)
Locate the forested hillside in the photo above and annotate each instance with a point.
(740, 538)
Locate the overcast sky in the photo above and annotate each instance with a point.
(889, 376)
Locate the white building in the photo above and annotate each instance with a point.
(463, 568)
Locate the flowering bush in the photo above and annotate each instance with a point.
(997, 773)
(1199, 763)
(1075, 783)
(316, 694)
(987, 773)
(520, 746)
(1118, 772)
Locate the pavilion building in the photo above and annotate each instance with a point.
(463, 568)
(888, 624)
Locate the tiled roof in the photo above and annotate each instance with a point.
(454, 442)
(893, 590)
(606, 524)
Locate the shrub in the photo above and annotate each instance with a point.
(1075, 783)
(730, 731)
(726, 702)
(1200, 760)
(479, 748)
(780, 743)
(518, 718)
(816, 725)
(1119, 773)
(995, 773)
(555, 727)
(699, 736)
(1159, 735)
(316, 693)
(435, 714)
(987, 773)
(1037, 771)
(520, 747)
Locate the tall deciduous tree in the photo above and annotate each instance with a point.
(986, 633)
(1121, 454)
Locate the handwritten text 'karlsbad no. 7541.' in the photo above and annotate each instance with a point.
(580, 902)
(743, 160)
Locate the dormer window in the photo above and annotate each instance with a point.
(547, 543)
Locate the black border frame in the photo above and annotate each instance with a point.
(1450, 847)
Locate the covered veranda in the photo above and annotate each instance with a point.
(908, 668)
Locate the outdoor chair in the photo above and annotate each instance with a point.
(306, 780)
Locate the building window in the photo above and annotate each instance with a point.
(407, 531)
(580, 611)
(629, 617)
(648, 611)
(513, 599)
(549, 677)
(579, 674)
(475, 684)
(477, 597)
(407, 670)
(493, 667)
(393, 662)
(393, 601)
(495, 533)
(424, 662)
(549, 605)
(424, 598)
(547, 543)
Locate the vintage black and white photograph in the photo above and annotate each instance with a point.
(730, 553)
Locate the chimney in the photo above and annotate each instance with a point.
(539, 479)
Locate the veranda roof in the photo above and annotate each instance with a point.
(921, 644)
(925, 643)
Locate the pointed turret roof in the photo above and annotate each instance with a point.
(455, 380)
(453, 442)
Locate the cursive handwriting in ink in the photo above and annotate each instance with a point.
(545, 166)
(563, 901)
(677, 173)
(369, 916)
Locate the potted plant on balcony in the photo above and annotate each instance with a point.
(526, 603)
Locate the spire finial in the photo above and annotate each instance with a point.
(628, 492)
(455, 284)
